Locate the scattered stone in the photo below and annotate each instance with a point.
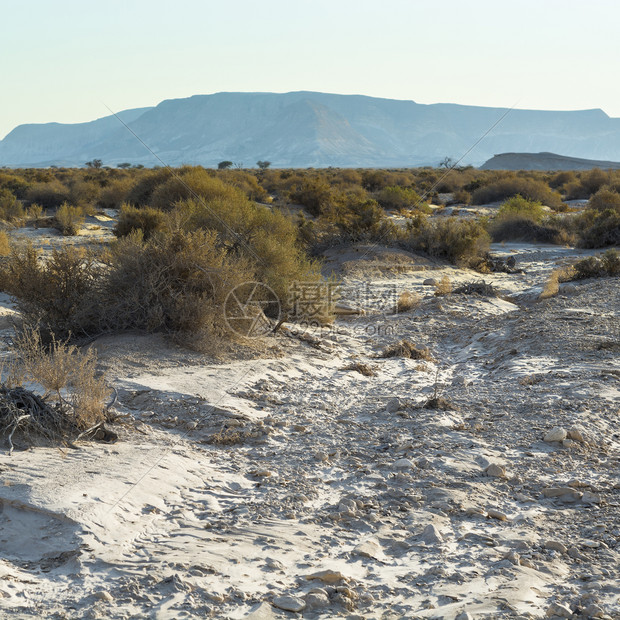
(557, 433)
(495, 471)
(475, 510)
(403, 464)
(558, 491)
(431, 535)
(577, 433)
(556, 545)
(394, 404)
(559, 610)
(321, 457)
(317, 599)
(263, 611)
(464, 616)
(430, 282)
(274, 564)
(327, 576)
(593, 611)
(103, 595)
(289, 603)
(369, 549)
(591, 498)
(574, 553)
(513, 557)
(497, 514)
(423, 463)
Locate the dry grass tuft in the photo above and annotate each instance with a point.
(405, 348)
(407, 301)
(364, 369)
(443, 287)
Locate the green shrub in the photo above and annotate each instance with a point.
(145, 219)
(599, 229)
(521, 207)
(113, 195)
(315, 194)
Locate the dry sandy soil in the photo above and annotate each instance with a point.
(293, 485)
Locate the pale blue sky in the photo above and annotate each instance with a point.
(63, 59)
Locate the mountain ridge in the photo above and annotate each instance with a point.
(306, 128)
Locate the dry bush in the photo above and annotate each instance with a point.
(443, 287)
(407, 300)
(73, 393)
(59, 294)
(398, 198)
(551, 287)
(463, 242)
(480, 288)
(603, 265)
(364, 369)
(49, 195)
(405, 348)
(605, 199)
(69, 219)
(113, 195)
(529, 188)
(145, 219)
(11, 209)
(5, 246)
(599, 229)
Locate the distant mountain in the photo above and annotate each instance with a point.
(545, 161)
(302, 129)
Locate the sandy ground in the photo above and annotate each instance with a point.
(288, 486)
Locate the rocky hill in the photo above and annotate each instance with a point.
(545, 161)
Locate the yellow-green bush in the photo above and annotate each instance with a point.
(145, 219)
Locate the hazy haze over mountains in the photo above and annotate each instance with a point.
(301, 129)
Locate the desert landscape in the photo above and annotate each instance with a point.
(444, 445)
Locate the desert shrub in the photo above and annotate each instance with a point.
(606, 264)
(398, 198)
(176, 283)
(267, 239)
(145, 219)
(315, 194)
(10, 208)
(59, 293)
(460, 241)
(605, 199)
(15, 184)
(521, 207)
(34, 213)
(192, 182)
(49, 195)
(461, 196)
(247, 182)
(83, 193)
(562, 179)
(113, 195)
(531, 189)
(140, 194)
(599, 229)
(69, 219)
(5, 246)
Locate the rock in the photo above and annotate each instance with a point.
(497, 514)
(321, 457)
(289, 603)
(423, 463)
(495, 471)
(559, 610)
(557, 433)
(513, 557)
(475, 510)
(557, 491)
(394, 404)
(274, 564)
(262, 611)
(593, 611)
(574, 553)
(103, 595)
(591, 498)
(369, 549)
(556, 545)
(327, 576)
(403, 464)
(430, 282)
(464, 616)
(317, 599)
(431, 535)
(577, 433)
